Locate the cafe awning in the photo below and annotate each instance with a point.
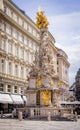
(17, 99)
(5, 98)
(25, 98)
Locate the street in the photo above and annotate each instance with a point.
(15, 124)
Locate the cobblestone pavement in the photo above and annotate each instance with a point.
(13, 124)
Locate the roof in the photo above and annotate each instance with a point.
(22, 11)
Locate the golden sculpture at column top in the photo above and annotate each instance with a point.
(41, 21)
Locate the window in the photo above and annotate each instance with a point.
(25, 25)
(29, 29)
(11, 31)
(10, 65)
(9, 88)
(2, 65)
(4, 26)
(17, 19)
(17, 33)
(33, 57)
(34, 32)
(37, 35)
(26, 72)
(21, 72)
(5, 9)
(3, 45)
(34, 46)
(1, 87)
(22, 23)
(27, 56)
(15, 89)
(27, 42)
(16, 50)
(22, 53)
(16, 70)
(30, 58)
(57, 69)
(11, 14)
(22, 38)
(10, 48)
(30, 43)
(66, 72)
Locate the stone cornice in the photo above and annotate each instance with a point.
(13, 58)
(12, 80)
(13, 23)
(64, 59)
(13, 6)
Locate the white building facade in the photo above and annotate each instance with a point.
(19, 39)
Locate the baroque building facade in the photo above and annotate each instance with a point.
(19, 40)
(63, 73)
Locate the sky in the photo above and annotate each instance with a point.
(64, 25)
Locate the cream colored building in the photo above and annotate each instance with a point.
(19, 40)
(63, 72)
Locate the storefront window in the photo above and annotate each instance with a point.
(1, 87)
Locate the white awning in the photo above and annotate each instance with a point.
(17, 99)
(70, 103)
(5, 98)
(25, 98)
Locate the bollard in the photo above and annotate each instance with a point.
(1, 114)
(76, 117)
(20, 117)
(12, 114)
(49, 116)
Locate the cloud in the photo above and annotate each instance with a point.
(66, 31)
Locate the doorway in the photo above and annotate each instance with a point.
(38, 98)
